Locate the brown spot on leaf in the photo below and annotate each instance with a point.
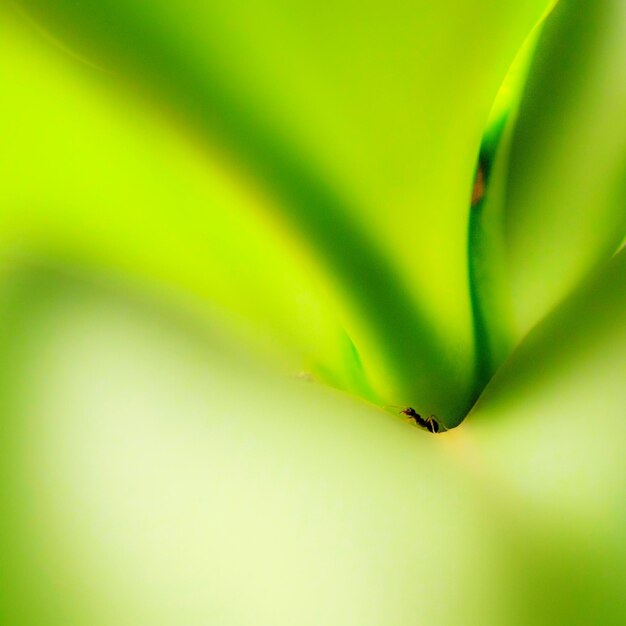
(479, 186)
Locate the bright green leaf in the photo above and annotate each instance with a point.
(365, 121)
(567, 177)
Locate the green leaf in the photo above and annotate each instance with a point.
(548, 435)
(95, 178)
(153, 471)
(152, 476)
(364, 121)
(567, 177)
(488, 267)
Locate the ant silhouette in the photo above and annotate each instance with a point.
(430, 423)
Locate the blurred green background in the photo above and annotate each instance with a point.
(237, 238)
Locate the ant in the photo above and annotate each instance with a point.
(430, 423)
